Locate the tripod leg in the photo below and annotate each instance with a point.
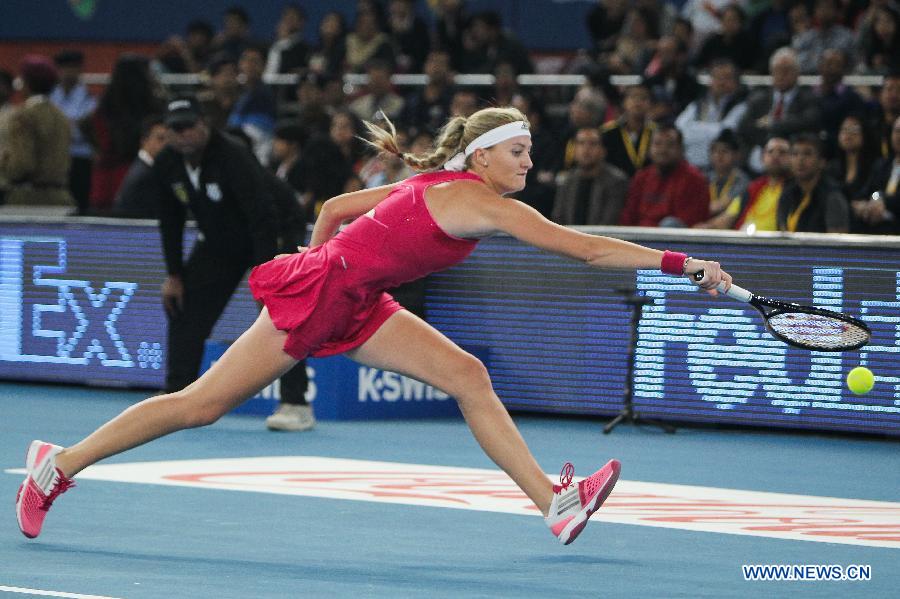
(615, 422)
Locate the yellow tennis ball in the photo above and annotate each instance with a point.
(860, 380)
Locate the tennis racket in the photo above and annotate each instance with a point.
(801, 326)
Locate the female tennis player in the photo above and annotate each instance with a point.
(329, 299)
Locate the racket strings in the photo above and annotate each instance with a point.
(818, 331)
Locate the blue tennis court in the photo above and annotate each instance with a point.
(414, 508)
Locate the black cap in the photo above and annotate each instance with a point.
(183, 111)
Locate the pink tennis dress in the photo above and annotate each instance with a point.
(330, 299)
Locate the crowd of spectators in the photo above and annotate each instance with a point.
(673, 149)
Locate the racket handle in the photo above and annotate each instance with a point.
(734, 292)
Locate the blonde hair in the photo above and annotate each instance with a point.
(453, 137)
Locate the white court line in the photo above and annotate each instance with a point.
(24, 591)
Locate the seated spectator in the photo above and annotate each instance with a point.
(585, 110)
(310, 109)
(287, 148)
(757, 208)
(672, 83)
(290, 51)
(733, 42)
(138, 197)
(71, 96)
(828, 33)
(464, 102)
(450, 20)
(379, 97)
(879, 42)
(505, 84)
(604, 22)
(235, 34)
(546, 156)
(835, 99)
(592, 192)
(222, 90)
(857, 154)
(634, 46)
(346, 133)
(383, 168)
(627, 139)
(726, 179)
(35, 161)
(328, 56)
(670, 192)
(811, 202)
(366, 43)
(199, 39)
(887, 112)
(488, 45)
(772, 29)
(721, 107)
(6, 111)
(780, 111)
(255, 110)
(426, 108)
(310, 163)
(880, 212)
(704, 15)
(409, 34)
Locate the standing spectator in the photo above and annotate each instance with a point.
(782, 111)
(139, 195)
(627, 140)
(672, 83)
(733, 42)
(36, 158)
(328, 56)
(852, 168)
(427, 107)
(73, 98)
(879, 42)
(255, 110)
(225, 189)
(811, 202)
(409, 34)
(488, 45)
(757, 208)
(827, 34)
(367, 42)
(670, 192)
(880, 212)
(222, 90)
(379, 97)
(290, 51)
(6, 111)
(115, 127)
(592, 192)
(835, 99)
(235, 34)
(720, 108)
(726, 179)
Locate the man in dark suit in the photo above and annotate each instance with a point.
(782, 111)
(593, 192)
(138, 197)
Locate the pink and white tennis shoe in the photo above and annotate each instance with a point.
(574, 503)
(44, 482)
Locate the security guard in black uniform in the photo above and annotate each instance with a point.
(238, 216)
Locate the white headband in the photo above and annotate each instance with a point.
(486, 140)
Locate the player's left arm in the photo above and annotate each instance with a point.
(343, 207)
(529, 226)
